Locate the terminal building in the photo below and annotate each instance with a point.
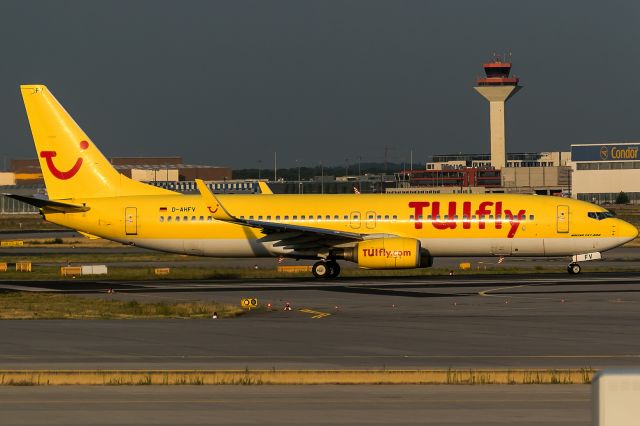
(602, 171)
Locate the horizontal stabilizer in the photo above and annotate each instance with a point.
(49, 206)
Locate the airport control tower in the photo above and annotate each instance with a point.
(497, 87)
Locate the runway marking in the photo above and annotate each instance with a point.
(485, 293)
(315, 314)
(26, 288)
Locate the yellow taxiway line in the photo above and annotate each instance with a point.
(315, 314)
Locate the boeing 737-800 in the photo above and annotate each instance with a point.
(376, 231)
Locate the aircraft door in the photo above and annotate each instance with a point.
(371, 220)
(562, 219)
(131, 221)
(355, 220)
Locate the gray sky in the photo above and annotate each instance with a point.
(230, 82)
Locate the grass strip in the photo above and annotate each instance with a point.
(27, 305)
(295, 377)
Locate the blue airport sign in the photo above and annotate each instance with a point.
(621, 152)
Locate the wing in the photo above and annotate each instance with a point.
(286, 231)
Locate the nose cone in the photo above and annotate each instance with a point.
(627, 231)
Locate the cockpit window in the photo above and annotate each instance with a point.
(599, 215)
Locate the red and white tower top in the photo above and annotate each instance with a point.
(497, 74)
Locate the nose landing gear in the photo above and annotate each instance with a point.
(326, 269)
(573, 268)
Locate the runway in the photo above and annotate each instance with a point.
(515, 321)
(295, 405)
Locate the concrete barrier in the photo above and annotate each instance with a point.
(94, 269)
(294, 268)
(162, 271)
(71, 271)
(11, 243)
(616, 393)
(293, 377)
(23, 266)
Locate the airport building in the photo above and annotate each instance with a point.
(146, 169)
(602, 171)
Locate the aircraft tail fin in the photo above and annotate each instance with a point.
(72, 166)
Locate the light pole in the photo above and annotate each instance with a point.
(259, 169)
(321, 178)
(299, 182)
(359, 161)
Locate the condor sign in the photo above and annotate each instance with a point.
(606, 152)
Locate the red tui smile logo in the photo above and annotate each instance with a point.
(60, 174)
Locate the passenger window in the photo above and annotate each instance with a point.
(345, 217)
(177, 218)
(490, 217)
(201, 218)
(295, 217)
(336, 217)
(302, 217)
(498, 217)
(268, 217)
(327, 217)
(277, 217)
(531, 217)
(168, 218)
(419, 217)
(209, 218)
(161, 218)
(242, 217)
(193, 218)
(251, 217)
(286, 217)
(411, 217)
(395, 217)
(260, 217)
(185, 218)
(370, 216)
(379, 217)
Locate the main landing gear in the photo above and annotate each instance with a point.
(326, 269)
(573, 268)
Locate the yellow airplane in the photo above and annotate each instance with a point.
(376, 231)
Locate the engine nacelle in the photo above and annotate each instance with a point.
(390, 253)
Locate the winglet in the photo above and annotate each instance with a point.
(264, 188)
(214, 206)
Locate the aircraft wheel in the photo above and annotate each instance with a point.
(321, 270)
(334, 268)
(574, 268)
